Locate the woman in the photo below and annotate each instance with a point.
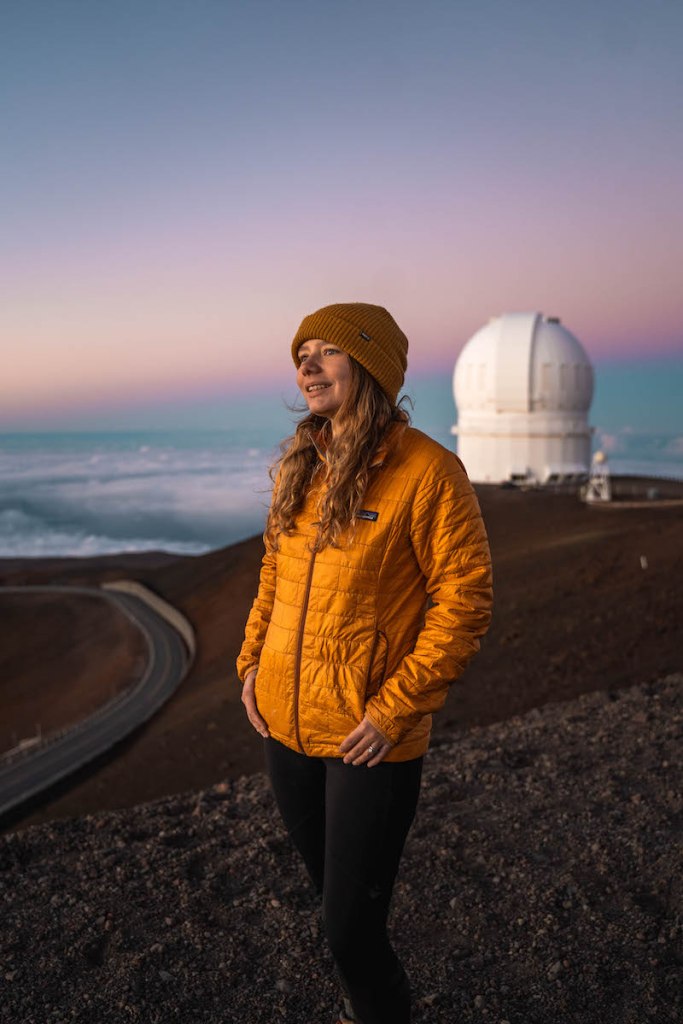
(374, 590)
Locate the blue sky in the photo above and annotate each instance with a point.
(183, 180)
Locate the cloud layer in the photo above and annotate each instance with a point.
(82, 502)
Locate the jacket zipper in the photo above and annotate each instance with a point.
(299, 646)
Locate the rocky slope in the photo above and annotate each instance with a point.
(575, 610)
(541, 884)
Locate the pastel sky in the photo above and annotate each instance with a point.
(183, 180)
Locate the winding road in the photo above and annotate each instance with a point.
(24, 773)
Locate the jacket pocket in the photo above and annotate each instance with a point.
(378, 664)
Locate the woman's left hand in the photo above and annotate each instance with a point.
(365, 745)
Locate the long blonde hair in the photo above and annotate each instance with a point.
(361, 422)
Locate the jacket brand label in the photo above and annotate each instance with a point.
(364, 513)
(364, 336)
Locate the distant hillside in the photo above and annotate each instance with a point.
(575, 611)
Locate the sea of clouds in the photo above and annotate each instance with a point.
(95, 496)
(632, 452)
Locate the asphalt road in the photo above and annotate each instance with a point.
(30, 772)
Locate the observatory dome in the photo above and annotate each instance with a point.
(523, 385)
(520, 362)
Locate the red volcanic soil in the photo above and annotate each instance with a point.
(48, 675)
(585, 599)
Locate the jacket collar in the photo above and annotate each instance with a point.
(390, 439)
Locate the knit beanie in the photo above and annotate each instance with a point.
(368, 333)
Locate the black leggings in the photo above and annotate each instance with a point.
(349, 825)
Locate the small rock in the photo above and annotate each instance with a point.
(554, 970)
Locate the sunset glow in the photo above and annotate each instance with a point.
(185, 182)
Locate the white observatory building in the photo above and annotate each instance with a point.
(523, 386)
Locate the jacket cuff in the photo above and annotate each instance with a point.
(244, 672)
(390, 730)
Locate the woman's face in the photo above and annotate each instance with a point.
(324, 377)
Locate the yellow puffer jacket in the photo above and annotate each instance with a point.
(382, 624)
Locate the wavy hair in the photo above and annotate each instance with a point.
(362, 421)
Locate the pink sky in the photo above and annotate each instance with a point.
(182, 190)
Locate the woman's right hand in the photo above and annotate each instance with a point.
(249, 701)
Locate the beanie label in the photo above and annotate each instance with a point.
(364, 336)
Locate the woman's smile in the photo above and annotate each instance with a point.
(323, 377)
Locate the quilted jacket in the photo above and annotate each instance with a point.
(381, 624)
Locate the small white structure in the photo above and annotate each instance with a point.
(599, 487)
(523, 386)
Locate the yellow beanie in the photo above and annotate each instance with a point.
(368, 333)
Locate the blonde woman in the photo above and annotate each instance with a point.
(374, 591)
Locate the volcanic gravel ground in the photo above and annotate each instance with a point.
(584, 599)
(541, 884)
